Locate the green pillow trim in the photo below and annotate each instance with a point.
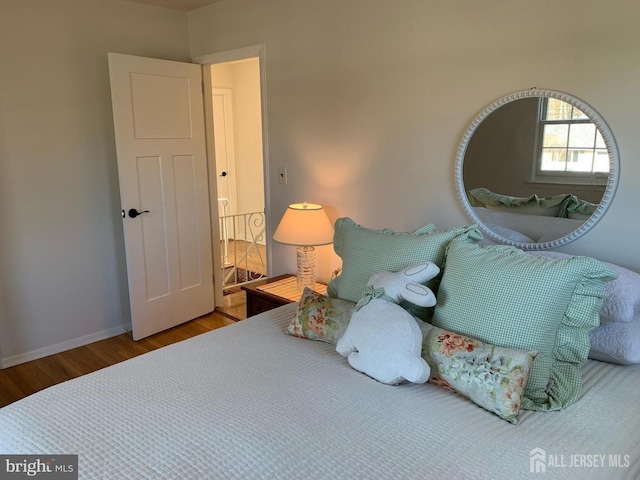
(552, 206)
(365, 252)
(499, 295)
(581, 209)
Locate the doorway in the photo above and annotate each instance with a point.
(169, 189)
(237, 171)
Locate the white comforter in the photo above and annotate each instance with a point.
(526, 228)
(248, 401)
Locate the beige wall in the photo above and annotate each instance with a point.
(243, 79)
(61, 248)
(368, 99)
(249, 134)
(500, 154)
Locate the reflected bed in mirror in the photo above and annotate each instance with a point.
(536, 169)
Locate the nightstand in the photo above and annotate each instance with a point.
(271, 293)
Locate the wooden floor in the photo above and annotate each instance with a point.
(22, 380)
(235, 305)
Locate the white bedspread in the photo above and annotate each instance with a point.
(527, 228)
(248, 401)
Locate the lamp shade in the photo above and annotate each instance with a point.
(305, 225)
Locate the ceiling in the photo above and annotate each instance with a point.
(182, 5)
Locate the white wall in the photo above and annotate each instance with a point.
(249, 134)
(242, 77)
(368, 99)
(62, 268)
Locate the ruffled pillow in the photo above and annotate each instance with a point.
(623, 294)
(506, 297)
(365, 252)
(532, 205)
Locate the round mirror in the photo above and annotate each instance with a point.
(536, 169)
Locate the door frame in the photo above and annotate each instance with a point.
(251, 51)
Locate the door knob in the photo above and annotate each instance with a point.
(133, 213)
(223, 174)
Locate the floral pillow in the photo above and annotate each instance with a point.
(319, 317)
(492, 377)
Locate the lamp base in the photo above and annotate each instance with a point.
(306, 262)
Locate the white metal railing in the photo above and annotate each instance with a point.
(223, 208)
(243, 250)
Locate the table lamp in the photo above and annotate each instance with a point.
(305, 225)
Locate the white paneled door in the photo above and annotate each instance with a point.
(224, 144)
(162, 166)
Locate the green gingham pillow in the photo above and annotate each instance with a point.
(506, 297)
(550, 207)
(365, 252)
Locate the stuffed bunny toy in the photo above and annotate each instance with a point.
(383, 340)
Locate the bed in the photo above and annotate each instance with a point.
(249, 401)
(530, 219)
(527, 228)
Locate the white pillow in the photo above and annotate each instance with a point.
(383, 340)
(623, 294)
(616, 343)
(510, 234)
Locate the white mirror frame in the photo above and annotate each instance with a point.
(612, 183)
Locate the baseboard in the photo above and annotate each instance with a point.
(63, 346)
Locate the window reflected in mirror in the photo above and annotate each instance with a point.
(536, 169)
(570, 145)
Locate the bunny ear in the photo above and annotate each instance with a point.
(419, 295)
(421, 272)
